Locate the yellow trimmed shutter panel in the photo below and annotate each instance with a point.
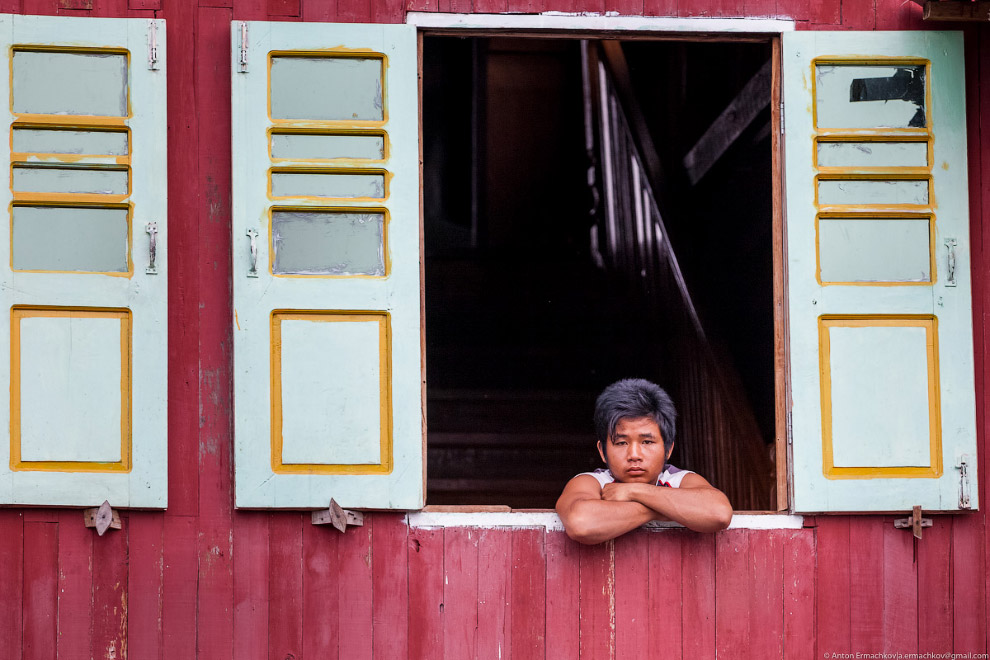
(327, 361)
(84, 263)
(881, 345)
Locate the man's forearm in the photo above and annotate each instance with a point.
(593, 521)
(699, 509)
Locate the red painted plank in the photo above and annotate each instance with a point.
(251, 10)
(760, 8)
(833, 588)
(179, 587)
(935, 587)
(10, 7)
(597, 602)
(660, 7)
(632, 593)
(859, 15)
(625, 7)
(183, 257)
(829, 13)
(324, 11)
(251, 576)
(388, 11)
(563, 587)
(40, 590)
(353, 11)
(968, 585)
(354, 596)
(75, 587)
(526, 6)
(665, 629)
(733, 591)
(144, 580)
(799, 633)
(39, 7)
(110, 593)
(900, 591)
(866, 575)
(215, 544)
(426, 593)
(698, 602)
(285, 586)
(460, 593)
(528, 597)
(12, 580)
(899, 15)
(390, 591)
(421, 5)
(320, 613)
(490, 6)
(494, 591)
(284, 8)
(766, 608)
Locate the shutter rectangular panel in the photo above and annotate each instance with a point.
(86, 333)
(327, 361)
(881, 346)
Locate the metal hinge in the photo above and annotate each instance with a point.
(962, 463)
(781, 117)
(243, 63)
(790, 429)
(152, 44)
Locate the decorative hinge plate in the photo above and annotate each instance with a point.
(914, 523)
(242, 65)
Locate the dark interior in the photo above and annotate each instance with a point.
(525, 324)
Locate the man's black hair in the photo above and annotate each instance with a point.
(633, 398)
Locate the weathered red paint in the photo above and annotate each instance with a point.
(203, 580)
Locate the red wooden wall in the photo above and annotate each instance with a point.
(202, 580)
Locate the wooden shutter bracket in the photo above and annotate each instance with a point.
(102, 518)
(338, 517)
(914, 523)
(243, 61)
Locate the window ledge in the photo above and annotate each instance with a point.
(549, 520)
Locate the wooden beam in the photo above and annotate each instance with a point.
(941, 10)
(729, 125)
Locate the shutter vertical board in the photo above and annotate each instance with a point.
(881, 345)
(327, 383)
(85, 337)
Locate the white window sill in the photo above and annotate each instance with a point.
(551, 523)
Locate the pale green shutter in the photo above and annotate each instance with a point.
(327, 366)
(878, 267)
(85, 341)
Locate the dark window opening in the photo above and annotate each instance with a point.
(550, 272)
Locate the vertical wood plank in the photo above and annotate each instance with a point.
(250, 10)
(866, 577)
(665, 630)
(632, 593)
(894, 15)
(421, 5)
(934, 588)
(833, 585)
(800, 633)
(324, 11)
(625, 7)
(388, 11)
(320, 591)
(900, 591)
(760, 8)
(460, 593)
(660, 7)
(526, 6)
(391, 586)
(766, 611)
(698, 570)
(563, 587)
(215, 596)
(251, 571)
(968, 585)
(183, 257)
(40, 590)
(285, 586)
(110, 593)
(354, 595)
(597, 602)
(733, 591)
(529, 582)
(12, 579)
(827, 13)
(353, 11)
(494, 591)
(144, 584)
(75, 587)
(859, 15)
(426, 593)
(179, 587)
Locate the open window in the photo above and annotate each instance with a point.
(592, 210)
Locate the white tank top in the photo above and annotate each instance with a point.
(670, 477)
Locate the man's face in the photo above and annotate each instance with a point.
(635, 453)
